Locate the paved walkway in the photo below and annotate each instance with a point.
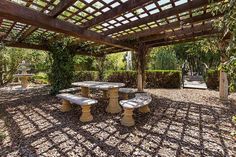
(196, 82)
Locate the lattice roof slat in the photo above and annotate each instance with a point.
(109, 22)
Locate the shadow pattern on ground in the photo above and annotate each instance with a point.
(34, 126)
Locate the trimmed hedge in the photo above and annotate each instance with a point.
(154, 78)
(212, 79)
(85, 76)
(129, 78)
(163, 79)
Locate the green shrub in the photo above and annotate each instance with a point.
(232, 86)
(40, 78)
(127, 77)
(212, 79)
(163, 79)
(154, 78)
(85, 76)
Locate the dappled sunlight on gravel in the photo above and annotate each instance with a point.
(182, 122)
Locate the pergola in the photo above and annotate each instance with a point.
(114, 25)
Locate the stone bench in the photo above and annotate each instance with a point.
(85, 104)
(141, 101)
(126, 91)
(69, 90)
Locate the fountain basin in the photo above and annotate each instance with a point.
(24, 79)
(22, 75)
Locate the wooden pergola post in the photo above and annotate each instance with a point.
(141, 65)
(223, 82)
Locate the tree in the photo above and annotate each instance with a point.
(199, 53)
(11, 57)
(163, 58)
(228, 24)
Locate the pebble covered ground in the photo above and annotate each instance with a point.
(182, 122)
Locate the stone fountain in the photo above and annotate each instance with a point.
(23, 76)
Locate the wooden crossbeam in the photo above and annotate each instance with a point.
(27, 33)
(26, 45)
(44, 48)
(62, 5)
(163, 14)
(186, 38)
(181, 32)
(10, 29)
(175, 42)
(127, 6)
(173, 25)
(2, 34)
(16, 12)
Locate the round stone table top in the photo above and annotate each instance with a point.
(98, 85)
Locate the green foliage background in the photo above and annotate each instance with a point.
(11, 57)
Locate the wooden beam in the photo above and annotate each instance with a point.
(163, 14)
(62, 5)
(187, 38)
(44, 48)
(127, 6)
(175, 42)
(26, 46)
(162, 40)
(181, 32)
(27, 33)
(190, 38)
(10, 29)
(173, 25)
(16, 12)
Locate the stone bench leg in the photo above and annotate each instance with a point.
(127, 119)
(85, 92)
(144, 109)
(66, 106)
(125, 96)
(86, 114)
(113, 106)
(105, 94)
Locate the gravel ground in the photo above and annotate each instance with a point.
(183, 122)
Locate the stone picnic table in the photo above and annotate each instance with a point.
(110, 90)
